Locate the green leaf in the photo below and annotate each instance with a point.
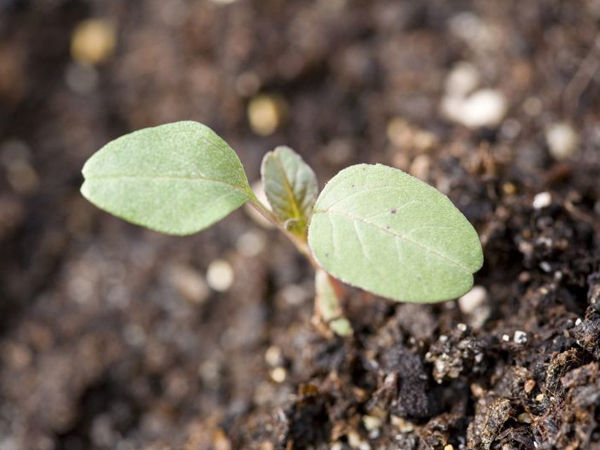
(177, 178)
(291, 188)
(385, 231)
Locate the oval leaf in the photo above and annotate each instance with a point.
(385, 231)
(291, 188)
(177, 178)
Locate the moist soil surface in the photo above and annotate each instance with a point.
(112, 337)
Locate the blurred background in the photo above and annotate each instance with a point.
(116, 337)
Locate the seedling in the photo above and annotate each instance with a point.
(372, 226)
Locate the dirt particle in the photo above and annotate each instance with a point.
(529, 386)
(520, 337)
(265, 113)
(93, 41)
(219, 275)
(542, 200)
(278, 374)
(562, 140)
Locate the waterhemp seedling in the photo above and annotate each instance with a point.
(372, 226)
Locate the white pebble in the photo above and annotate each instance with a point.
(505, 337)
(562, 140)
(542, 200)
(251, 243)
(472, 300)
(520, 337)
(219, 275)
(188, 283)
(462, 79)
(486, 107)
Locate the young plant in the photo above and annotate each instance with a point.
(372, 226)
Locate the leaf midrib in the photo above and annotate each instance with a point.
(398, 235)
(169, 177)
(288, 189)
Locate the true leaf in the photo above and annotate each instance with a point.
(291, 188)
(177, 178)
(385, 231)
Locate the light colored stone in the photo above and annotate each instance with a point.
(562, 140)
(251, 243)
(542, 200)
(219, 275)
(520, 337)
(265, 113)
(472, 300)
(188, 283)
(93, 41)
(485, 107)
(462, 79)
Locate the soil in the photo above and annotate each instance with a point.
(110, 337)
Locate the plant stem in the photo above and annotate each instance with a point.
(298, 241)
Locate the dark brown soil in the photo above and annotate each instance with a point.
(107, 339)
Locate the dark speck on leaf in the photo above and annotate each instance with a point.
(393, 211)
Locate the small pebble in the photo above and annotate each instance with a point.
(251, 243)
(278, 374)
(372, 423)
(219, 275)
(529, 385)
(472, 300)
(273, 356)
(188, 283)
(265, 113)
(505, 337)
(520, 337)
(462, 79)
(542, 200)
(474, 304)
(93, 41)
(356, 441)
(462, 327)
(403, 425)
(449, 447)
(562, 140)
(524, 418)
(483, 108)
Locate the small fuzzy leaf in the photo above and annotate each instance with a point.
(291, 187)
(385, 231)
(177, 178)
